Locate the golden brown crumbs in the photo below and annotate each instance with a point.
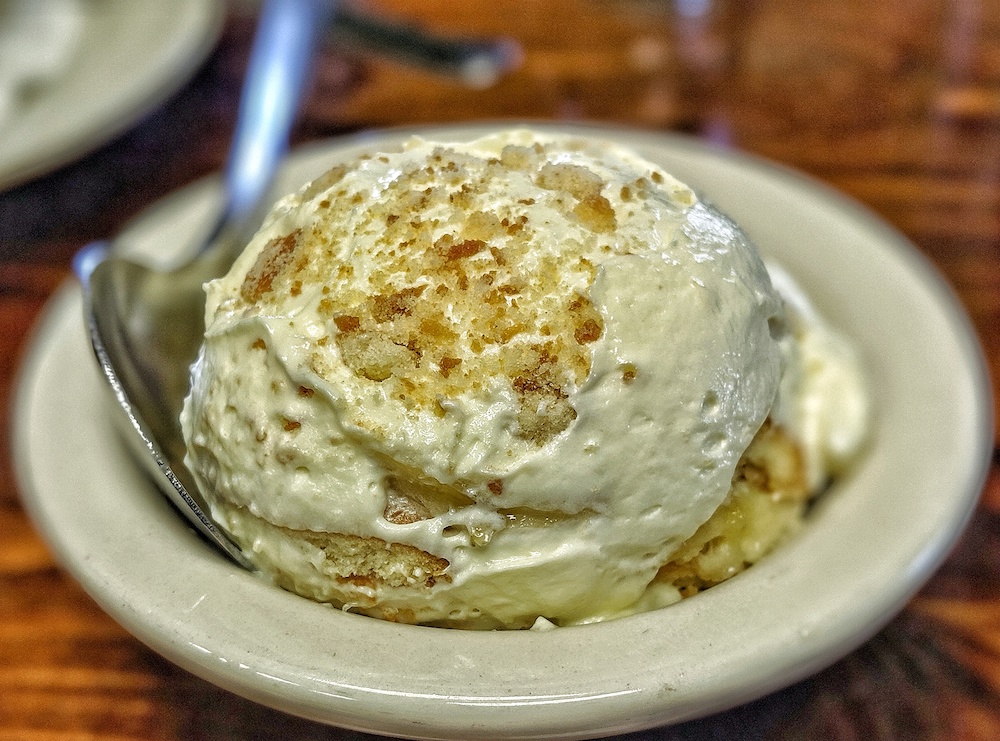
(589, 331)
(466, 248)
(576, 180)
(347, 323)
(447, 364)
(596, 213)
(516, 157)
(385, 307)
(275, 258)
(376, 357)
(543, 409)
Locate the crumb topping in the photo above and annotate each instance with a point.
(442, 279)
(274, 260)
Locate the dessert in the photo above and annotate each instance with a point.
(531, 379)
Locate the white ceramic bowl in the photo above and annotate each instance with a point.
(873, 540)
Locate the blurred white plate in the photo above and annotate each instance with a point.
(871, 543)
(130, 56)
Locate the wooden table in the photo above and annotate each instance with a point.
(896, 104)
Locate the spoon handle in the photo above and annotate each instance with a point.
(287, 33)
(477, 62)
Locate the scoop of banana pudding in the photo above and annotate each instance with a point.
(530, 378)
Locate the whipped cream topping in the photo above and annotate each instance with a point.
(536, 358)
(823, 399)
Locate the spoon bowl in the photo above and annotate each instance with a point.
(146, 325)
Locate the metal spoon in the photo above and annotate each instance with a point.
(145, 325)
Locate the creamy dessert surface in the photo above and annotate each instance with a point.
(480, 384)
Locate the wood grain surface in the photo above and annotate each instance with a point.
(896, 104)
